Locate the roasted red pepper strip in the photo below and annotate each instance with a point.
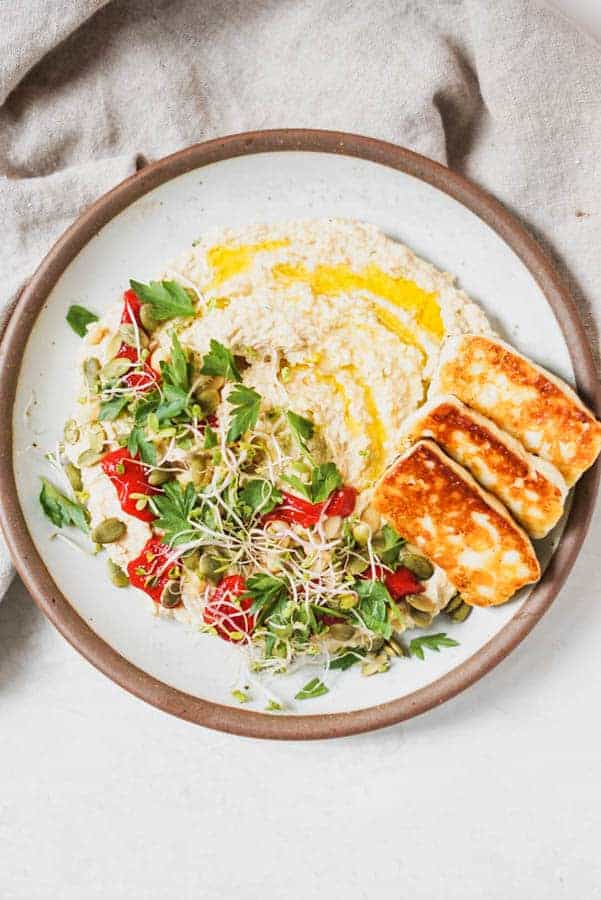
(341, 502)
(129, 477)
(131, 307)
(227, 610)
(150, 570)
(297, 511)
(399, 583)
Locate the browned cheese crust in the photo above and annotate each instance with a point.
(439, 507)
(496, 460)
(523, 399)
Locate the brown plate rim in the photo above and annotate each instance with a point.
(56, 606)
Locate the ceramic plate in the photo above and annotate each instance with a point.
(146, 221)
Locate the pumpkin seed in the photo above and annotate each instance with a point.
(421, 619)
(127, 333)
(421, 567)
(91, 370)
(454, 603)
(209, 400)
(74, 476)
(158, 477)
(340, 631)
(89, 458)
(117, 575)
(108, 531)
(113, 346)
(348, 601)
(357, 565)
(377, 644)
(147, 317)
(96, 436)
(394, 648)
(71, 432)
(191, 560)
(361, 533)
(207, 567)
(421, 602)
(115, 369)
(172, 595)
(461, 613)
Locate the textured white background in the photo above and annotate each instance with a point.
(494, 795)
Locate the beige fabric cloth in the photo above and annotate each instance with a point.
(508, 93)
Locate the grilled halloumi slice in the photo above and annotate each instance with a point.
(436, 504)
(521, 398)
(531, 488)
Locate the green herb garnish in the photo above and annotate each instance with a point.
(246, 403)
(173, 508)
(220, 361)
(210, 440)
(112, 409)
(265, 590)
(303, 429)
(137, 442)
(374, 601)
(168, 299)
(346, 660)
(432, 642)
(177, 371)
(60, 510)
(388, 546)
(324, 479)
(79, 318)
(313, 688)
(259, 496)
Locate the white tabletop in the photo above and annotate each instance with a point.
(493, 795)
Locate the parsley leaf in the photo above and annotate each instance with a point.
(174, 402)
(259, 496)
(246, 403)
(177, 372)
(346, 660)
(137, 442)
(112, 409)
(60, 510)
(220, 361)
(389, 546)
(210, 438)
(325, 479)
(79, 318)
(303, 429)
(313, 688)
(168, 299)
(295, 482)
(173, 508)
(264, 590)
(374, 601)
(432, 642)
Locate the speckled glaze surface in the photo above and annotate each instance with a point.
(257, 177)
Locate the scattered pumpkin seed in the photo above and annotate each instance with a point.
(340, 631)
(461, 613)
(421, 567)
(191, 560)
(108, 531)
(71, 432)
(421, 602)
(91, 371)
(113, 346)
(208, 399)
(172, 595)
(361, 533)
(454, 603)
(147, 317)
(89, 458)
(117, 575)
(158, 477)
(115, 369)
(348, 601)
(207, 567)
(74, 476)
(96, 436)
(357, 565)
(394, 648)
(421, 619)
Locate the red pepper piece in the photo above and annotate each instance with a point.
(225, 615)
(398, 583)
(131, 307)
(342, 501)
(150, 570)
(142, 379)
(330, 620)
(129, 477)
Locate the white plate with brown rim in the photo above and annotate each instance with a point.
(149, 219)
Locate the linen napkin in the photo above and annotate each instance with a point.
(507, 93)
